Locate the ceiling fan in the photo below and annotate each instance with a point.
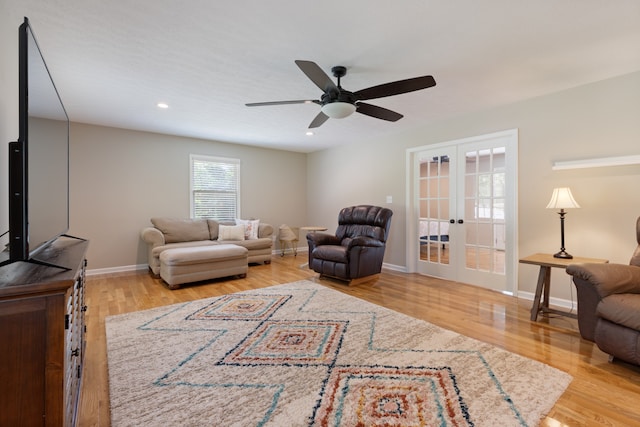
(338, 103)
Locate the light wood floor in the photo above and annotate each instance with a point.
(601, 394)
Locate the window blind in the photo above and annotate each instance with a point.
(215, 188)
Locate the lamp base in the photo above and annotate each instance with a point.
(563, 254)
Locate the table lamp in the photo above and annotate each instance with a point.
(562, 199)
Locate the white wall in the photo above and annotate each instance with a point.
(596, 120)
(122, 178)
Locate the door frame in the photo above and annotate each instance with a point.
(511, 216)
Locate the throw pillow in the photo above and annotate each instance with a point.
(231, 232)
(250, 227)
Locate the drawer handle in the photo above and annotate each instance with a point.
(75, 352)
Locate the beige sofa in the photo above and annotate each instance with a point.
(169, 233)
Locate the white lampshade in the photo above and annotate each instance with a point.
(338, 110)
(562, 199)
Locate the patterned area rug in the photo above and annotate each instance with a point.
(301, 354)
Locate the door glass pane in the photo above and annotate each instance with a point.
(484, 210)
(471, 258)
(433, 228)
(484, 259)
(470, 185)
(498, 262)
(484, 161)
(485, 235)
(471, 163)
(424, 208)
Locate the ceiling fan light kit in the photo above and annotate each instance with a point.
(338, 103)
(338, 110)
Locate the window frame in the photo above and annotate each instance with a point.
(213, 159)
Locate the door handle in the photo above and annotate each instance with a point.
(461, 221)
(452, 221)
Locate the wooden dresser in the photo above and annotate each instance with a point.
(42, 336)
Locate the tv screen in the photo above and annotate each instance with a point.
(39, 160)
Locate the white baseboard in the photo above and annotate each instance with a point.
(138, 267)
(393, 267)
(113, 270)
(568, 305)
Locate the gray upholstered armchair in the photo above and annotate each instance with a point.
(357, 248)
(609, 305)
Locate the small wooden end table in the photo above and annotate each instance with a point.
(312, 228)
(546, 261)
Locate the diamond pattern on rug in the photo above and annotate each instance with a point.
(241, 307)
(391, 396)
(302, 354)
(291, 342)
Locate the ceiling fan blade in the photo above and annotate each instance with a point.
(395, 88)
(301, 101)
(378, 112)
(319, 120)
(316, 75)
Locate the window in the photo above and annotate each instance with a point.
(215, 187)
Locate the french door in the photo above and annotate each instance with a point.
(462, 222)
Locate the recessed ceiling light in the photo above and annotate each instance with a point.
(163, 105)
(309, 133)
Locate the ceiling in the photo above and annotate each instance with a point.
(113, 61)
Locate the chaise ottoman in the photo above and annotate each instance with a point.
(192, 264)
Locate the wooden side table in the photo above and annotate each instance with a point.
(546, 261)
(313, 229)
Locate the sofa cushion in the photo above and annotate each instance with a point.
(333, 253)
(230, 232)
(265, 230)
(250, 227)
(182, 230)
(260, 243)
(623, 309)
(202, 254)
(157, 250)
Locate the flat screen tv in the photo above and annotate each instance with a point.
(39, 159)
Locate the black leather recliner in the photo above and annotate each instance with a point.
(357, 248)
